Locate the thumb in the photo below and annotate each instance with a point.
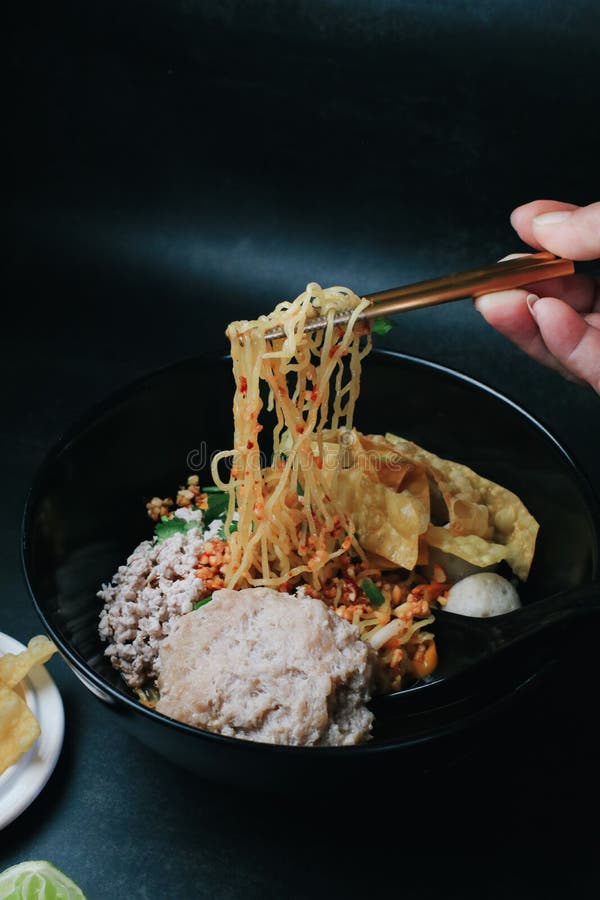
(572, 339)
(572, 233)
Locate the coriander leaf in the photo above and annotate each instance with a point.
(372, 592)
(167, 527)
(218, 502)
(381, 325)
(233, 527)
(203, 602)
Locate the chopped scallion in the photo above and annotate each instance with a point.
(381, 325)
(372, 592)
(203, 602)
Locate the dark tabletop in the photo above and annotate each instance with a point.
(178, 165)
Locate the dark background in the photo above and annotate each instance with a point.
(175, 165)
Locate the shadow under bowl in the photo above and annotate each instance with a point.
(86, 513)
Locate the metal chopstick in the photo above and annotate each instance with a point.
(511, 273)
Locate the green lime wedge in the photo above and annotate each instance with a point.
(37, 880)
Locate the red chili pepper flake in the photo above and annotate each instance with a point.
(300, 429)
(243, 385)
(250, 445)
(315, 394)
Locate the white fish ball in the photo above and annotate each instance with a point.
(482, 595)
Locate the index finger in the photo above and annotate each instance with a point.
(522, 218)
(563, 228)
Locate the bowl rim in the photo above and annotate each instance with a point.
(116, 697)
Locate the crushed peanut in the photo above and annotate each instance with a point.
(158, 507)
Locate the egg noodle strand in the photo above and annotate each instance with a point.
(288, 523)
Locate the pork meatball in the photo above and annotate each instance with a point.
(482, 595)
(266, 666)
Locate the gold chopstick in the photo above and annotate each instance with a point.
(502, 276)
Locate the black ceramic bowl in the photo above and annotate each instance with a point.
(86, 513)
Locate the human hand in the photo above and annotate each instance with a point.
(557, 322)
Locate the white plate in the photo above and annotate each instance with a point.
(21, 783)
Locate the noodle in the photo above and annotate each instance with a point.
(288, 523)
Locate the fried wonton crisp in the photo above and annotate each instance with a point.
(486, 522)
(389, 523)
(18, 726)
(15, 666)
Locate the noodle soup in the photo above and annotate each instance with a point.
(367, 526)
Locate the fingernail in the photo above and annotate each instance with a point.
(513, 256)
(531, 300)
(486, 302)
(552, 218)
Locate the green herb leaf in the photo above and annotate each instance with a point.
(167, 527)
(218, 502)
(372, 592)
(381, 325)
(233, 527)
(203, 602)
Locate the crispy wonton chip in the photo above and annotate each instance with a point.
(388, 523)
(15, 666)
(469, 547)
(487, 522)
(18, 727)
(382, 462)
